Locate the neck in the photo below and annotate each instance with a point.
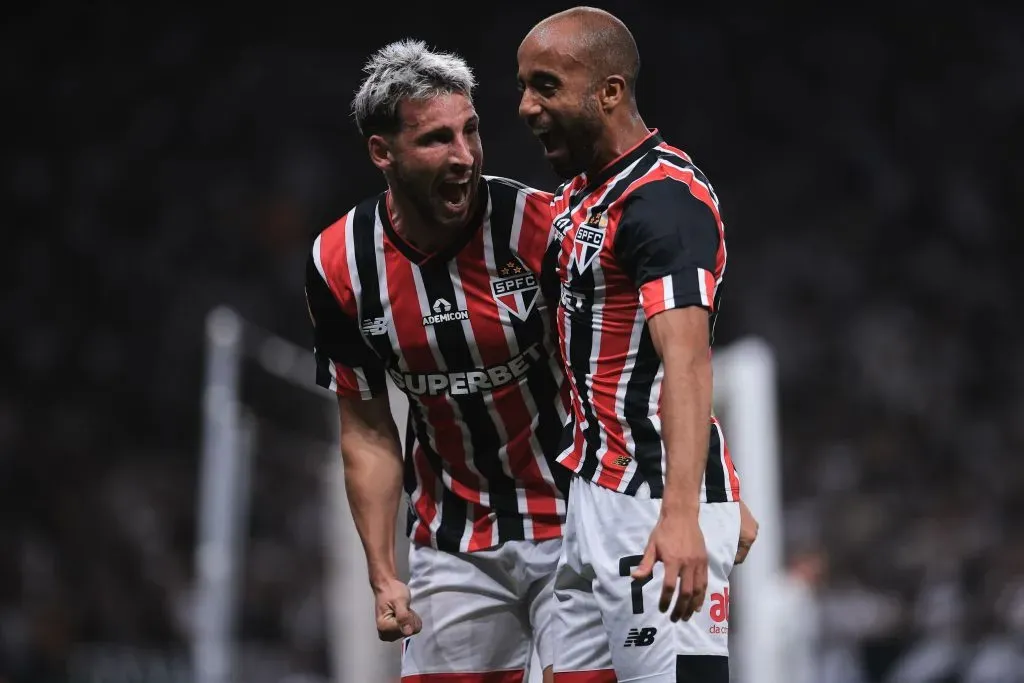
(618, 139)
(416, 229)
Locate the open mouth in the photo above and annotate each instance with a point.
(454, 194)
(552, 143)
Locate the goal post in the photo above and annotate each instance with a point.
(745, 398)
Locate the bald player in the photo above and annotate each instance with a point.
(636, 261)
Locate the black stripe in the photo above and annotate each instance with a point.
(366, 279)
(484, 442)
(714, 473)
(702, 669)
(454, 510)
(544, 386)
(636, 405)
(582, 326)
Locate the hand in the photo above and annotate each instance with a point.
(395, 619)
(748, 532)
(677, 542)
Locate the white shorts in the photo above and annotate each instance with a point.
(606, 620)
(482, 612)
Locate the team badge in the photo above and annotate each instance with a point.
(587, 241)
(515, 289)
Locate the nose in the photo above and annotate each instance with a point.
(461, 155)
(528, 106)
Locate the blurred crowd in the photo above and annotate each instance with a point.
(157, 166)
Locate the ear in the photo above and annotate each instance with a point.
(612, 92)
(380, 152)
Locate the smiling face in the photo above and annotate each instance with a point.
(433, 163)
(559, 100)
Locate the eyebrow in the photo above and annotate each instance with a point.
(440, 129)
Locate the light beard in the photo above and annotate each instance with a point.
(418, 222)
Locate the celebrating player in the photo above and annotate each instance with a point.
(434, 284)
(636, 263)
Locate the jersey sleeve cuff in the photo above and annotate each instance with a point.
(690, 287)
(346, 381)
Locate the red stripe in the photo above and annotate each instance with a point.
(415, 349)
(509, 403)
(595, 676)
(734, 480)
(346, 383)
(536, 226)
(482, 535)
(334, 260)
(425, 503)
(491, 677)
(616, 330)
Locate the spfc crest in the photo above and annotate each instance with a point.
(587, 241)
(515, 289)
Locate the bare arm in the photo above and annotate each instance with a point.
(681, 338)
(371, 451)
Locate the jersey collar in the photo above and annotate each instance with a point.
(446, 253)
(641, 148)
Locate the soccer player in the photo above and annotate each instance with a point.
(434, 284)
(636, 263)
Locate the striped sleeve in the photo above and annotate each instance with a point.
(345, 364)
(669, 243)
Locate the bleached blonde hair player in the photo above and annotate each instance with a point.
(434, 283)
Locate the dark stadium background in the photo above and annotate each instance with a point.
(159, 161)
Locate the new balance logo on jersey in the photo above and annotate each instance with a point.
(470, 381)
(640, 637)
(374, 327)
(443, 313)
(515, 289)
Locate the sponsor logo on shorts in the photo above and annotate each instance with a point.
(719, 613)
(469, 381)
(640, 637)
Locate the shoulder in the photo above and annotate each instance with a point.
(673, 184)
(331, 245)
(500, 185)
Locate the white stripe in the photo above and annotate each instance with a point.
(513, 347)
(364, 387)
(317, 259)
(705, 299)
(597, 312)
(332, 368)
(385, 301)
(726, 484)
(639, 322)
(669, 297)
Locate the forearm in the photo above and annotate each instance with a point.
(685, 417)
(373, 483)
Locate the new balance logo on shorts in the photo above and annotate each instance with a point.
(640, 637)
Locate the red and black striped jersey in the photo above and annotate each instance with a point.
(467, 337)
(641, 237)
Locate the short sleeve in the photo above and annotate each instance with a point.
(345, 364)
(669, 242)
